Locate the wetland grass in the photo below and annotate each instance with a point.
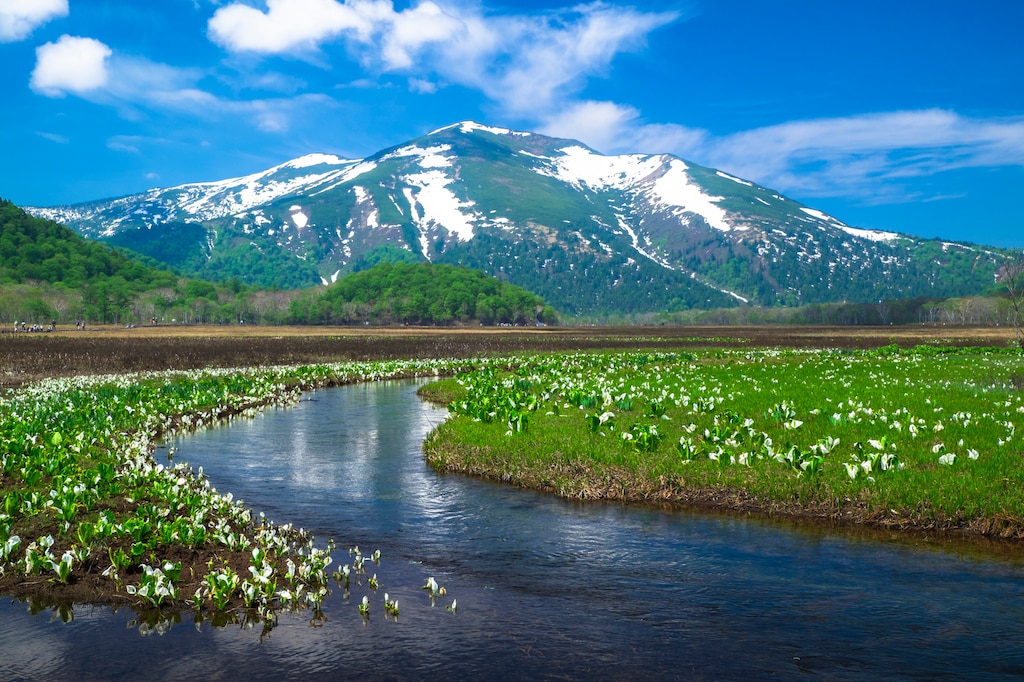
(922, 438)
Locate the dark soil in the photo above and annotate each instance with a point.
(27, 357)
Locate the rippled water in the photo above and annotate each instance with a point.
(546, 588)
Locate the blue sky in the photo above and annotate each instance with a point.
(900, 115)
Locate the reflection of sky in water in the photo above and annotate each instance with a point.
(546, 587)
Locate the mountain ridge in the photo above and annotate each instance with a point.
(588, 232)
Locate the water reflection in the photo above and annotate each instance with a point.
(546, 588)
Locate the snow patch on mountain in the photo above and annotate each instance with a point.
(430, 157)
(364, 201)
(208, 200)
(471, 126)
(635, 240)
(315, 160)
(674, 188)
(582, 168)
(439, 205)
(298, 217)
(872, 235)
(729, 177)
(347, 175)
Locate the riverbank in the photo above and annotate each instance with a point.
(87, 514)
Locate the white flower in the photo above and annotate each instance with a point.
(947, 459)
(851, 469)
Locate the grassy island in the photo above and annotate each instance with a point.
(919, 438)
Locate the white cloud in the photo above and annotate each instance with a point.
(614, 128)
(287, 25)
(411, 30)
(867, 157)
(89, 69)
(524, 63)
(543, 60)
(72, 64)
(18, 18)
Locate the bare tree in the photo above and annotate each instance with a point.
(1013, 278)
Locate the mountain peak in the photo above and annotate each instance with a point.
(472, 126)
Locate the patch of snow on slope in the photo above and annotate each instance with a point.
(315, 160)
(675, 189)
(347, 175)
(363, 198)
(729, 177)
(207, 200)
(298, 217)
(430, 157)
(872, 235)
(820, 215)
(424, 244)
(440, 205)
(581, 167)
(636, 243)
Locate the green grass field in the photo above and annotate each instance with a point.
(919, 438)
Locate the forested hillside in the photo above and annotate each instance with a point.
(47, 272)
(32, 249)
(50, 274)
(421, 293)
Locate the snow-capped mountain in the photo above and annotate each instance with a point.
(587, 231)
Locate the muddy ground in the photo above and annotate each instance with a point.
(27, 357)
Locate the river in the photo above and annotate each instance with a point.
(545, 588)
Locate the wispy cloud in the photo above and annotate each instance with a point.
(869, 157)
(18, 18)
(119, 146)
(526, 63)
(53, 137)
